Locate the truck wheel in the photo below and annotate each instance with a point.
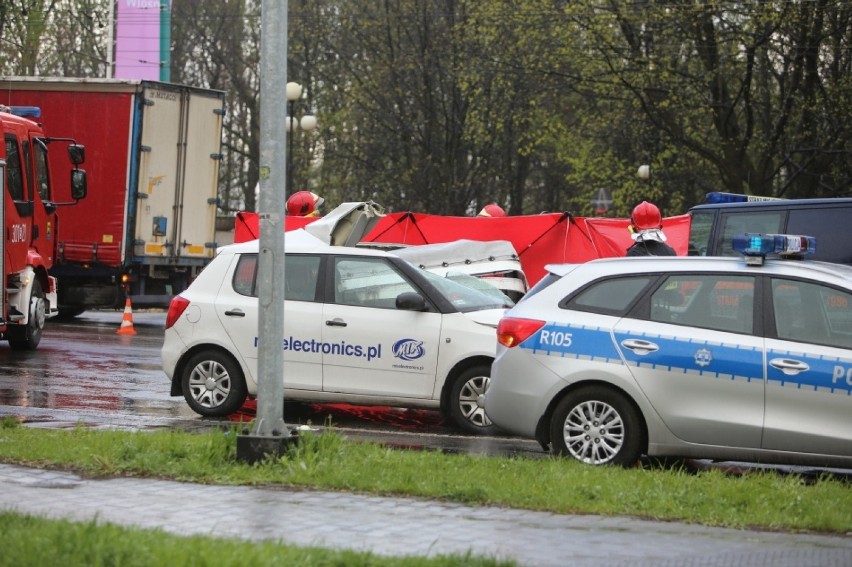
(466, 395)
(27, 337)
(213, 384)
(596, 426)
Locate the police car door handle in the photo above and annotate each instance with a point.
(338, 322)
(235, 313)
(788, 366)
(639, 346)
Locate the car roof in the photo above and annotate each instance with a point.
(300, 241)
(775, 266)
(776, 204)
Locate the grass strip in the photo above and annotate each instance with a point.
(30, 541)
(326, 461)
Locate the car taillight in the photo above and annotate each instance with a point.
(176, 308)
(511, 331)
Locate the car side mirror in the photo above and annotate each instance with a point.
(79, 186)
(410, 301)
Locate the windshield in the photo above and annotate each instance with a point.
(468, 296)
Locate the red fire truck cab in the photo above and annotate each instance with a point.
(28, 295)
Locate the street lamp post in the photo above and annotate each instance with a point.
(308, 123)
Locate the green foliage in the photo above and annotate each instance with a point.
(30, 541)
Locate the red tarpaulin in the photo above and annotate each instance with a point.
(551, 238)
(246, 225)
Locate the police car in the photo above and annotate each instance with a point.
(361, 326)
(726, 358)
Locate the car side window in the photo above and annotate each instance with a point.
(812, 313)
(245, 276)
(610, 297)
(719, 302)
(301, 273)
(368, 282)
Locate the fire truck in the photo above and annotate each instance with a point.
(28, 295)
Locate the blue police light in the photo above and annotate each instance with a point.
(26, 111)
(717, 197)
(757, 246)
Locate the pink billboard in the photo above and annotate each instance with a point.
(137, 39)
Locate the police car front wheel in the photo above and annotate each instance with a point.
(596, 426)
(213, 384)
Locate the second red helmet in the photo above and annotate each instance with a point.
(303, 203)
(646, 216)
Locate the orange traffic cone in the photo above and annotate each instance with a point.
(127, 321)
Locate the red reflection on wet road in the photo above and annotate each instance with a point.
(321, 414)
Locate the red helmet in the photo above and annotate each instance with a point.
(646, 216)
(492, 210)
(303, 203)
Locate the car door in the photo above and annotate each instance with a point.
(693, 354)
(237, 305)
(809, 369)
(369, 346)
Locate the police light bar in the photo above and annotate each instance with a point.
(758, 246)
(717, 197)
(26, 111)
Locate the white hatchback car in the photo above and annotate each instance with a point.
(361, 326)
(698, 357)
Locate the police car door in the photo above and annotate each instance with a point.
(809, 369)
(369, 346)
(696, 359)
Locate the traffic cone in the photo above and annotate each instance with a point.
(127, 320)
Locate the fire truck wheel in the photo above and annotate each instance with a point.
(27, 337)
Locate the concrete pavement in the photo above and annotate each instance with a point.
(404, 526)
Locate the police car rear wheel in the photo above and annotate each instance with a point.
(466, 400)
(213, 384)
(597, 426)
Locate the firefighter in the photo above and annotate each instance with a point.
(304, 204)
(492, 210)
(646, 228)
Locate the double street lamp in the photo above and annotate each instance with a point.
(307, 123)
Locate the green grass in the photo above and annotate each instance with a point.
(326, 461)
(26, 540)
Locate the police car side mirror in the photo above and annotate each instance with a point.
(410, 301)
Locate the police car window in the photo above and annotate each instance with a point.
(699, 232)
(766, 222)
(245, 275)
(611, 296)
(812, 313)
(301, 273)
(719, 302)
(368, 282)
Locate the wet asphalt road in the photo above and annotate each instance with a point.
(84, 372)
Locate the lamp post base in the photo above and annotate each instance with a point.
(254, 448)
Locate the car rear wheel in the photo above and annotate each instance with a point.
(597, 426)
(213, 384)
(466, 400)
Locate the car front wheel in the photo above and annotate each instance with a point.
(213, 384)
(27, 337)
(466, 400)
(596, 426)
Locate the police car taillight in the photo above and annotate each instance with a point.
(755, 247)
(512, 331)
(176, 308)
